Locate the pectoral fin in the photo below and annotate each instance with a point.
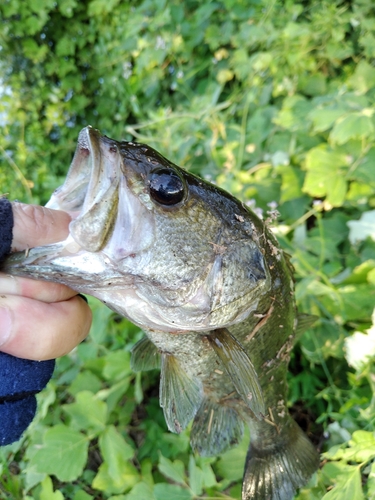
(180, 394)
(145, 356)
(240, 369)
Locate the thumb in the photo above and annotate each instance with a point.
(36, 226)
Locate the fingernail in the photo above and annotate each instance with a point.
(5, 325)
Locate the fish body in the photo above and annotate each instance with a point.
(206, 280)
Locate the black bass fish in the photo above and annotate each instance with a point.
(206, 280)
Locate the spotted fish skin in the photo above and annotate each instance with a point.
(205, 279)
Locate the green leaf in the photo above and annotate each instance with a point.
(231, 463)
(63, 453)
(348, 485)
(360, 229)
(371, 483)
(117, 365)
(114, 448)
(292, 180)
(99, 327)
(293, 114)
(87, 413)
(47, 493)
(124, 481)
(67, 7)
(357, 301)
(363, 78)
(164, 491)
(313, 84)
(324, 118)
(353, 126)
(172, 470)
(362, 447)
(195, 477)
(360, 273)
(65, 46)
(141, 491)
(365, 171)
(85, 380)
(82, 495)
(324, 174)
(116, 474)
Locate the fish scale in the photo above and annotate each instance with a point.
(206, 280)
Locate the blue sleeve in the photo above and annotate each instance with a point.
(20, 379)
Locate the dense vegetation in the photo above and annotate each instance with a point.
(274, 101)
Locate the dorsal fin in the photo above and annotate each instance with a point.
(145, 356)
(181, 394)
(240, 369)
(216, 428)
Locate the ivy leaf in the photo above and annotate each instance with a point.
(117, 365)
(98, 330)
(141, 491)
(114, 449)
(82, 495)
(163, 491)
(348, 485)
(47, 493)
(230, 464)
(195, 477)
(365, 171)
(66, 7)
(363, 78)
(371, 483)
(116, 474)
(357, 301)
(127, 479)
(63, 453)
(324, 175)
(324, 118)
(92, 420)
(353, 126)
(172, 470)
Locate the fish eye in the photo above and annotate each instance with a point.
(166, 186)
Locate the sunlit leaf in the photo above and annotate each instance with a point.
(360, 229)
(63, 453)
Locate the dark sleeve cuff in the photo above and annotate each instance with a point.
(15, 417)
(6, 226)
(20, 380)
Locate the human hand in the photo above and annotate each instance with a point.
(39, 320)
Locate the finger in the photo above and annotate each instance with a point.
(37, 226)
(41, 331)
(39, 290)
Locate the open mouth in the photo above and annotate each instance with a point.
(89, 193)
(71, 195)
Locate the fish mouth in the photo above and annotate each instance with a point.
(90, 191)
(110, 225)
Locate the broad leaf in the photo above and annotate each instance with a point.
(63, 453)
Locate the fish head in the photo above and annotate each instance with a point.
(157, 244)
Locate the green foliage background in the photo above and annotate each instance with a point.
(274, 101)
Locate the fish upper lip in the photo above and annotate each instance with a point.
(89, 193)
